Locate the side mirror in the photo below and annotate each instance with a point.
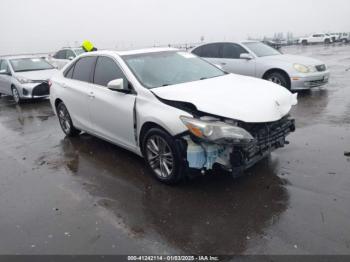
(246, 56)
(118, 86)
(70, 58)
(4, 72)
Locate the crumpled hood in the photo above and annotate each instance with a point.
(234, 96)
(294, 59)
(38, 75)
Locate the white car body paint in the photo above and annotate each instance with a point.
(233, 96)
(110, 115)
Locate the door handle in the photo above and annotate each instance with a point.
(91, 95)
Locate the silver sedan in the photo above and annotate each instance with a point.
(256, 59)
(25, 77)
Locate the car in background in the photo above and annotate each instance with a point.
(63, 56)
(274, 44)
(345, 37)
(335, 37)
(175, 109)
(316, 39)
(254, 58)
(25, 77)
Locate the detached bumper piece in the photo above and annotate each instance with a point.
(268, 137)
(41, 90)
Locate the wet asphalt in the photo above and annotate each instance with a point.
(85, 196)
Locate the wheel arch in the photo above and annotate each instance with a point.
(279, 70)
(57, 101)
(145, 127)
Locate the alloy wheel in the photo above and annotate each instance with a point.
(15, 94)
(64, 119)
(159, 156)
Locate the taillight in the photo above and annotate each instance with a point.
(49, 83)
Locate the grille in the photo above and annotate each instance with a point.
(316, 83)
(41, 90)
(268, 135)
(321, 68)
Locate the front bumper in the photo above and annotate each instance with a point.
(309, 81)
(239, 157)
(35, 90)
(268, 137)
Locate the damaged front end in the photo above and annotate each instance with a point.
(234, 145)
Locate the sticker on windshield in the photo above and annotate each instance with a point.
(186, 55)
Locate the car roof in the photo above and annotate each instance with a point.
(21, 56)
(130, 52)
(232, 42)
(65, 48)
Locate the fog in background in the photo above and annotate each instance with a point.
(46, 25)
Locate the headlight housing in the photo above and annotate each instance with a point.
(216, 131)
(24, 80)
(302, 68)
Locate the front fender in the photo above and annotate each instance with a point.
(156, 112)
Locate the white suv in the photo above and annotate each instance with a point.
(315, 38)
(345, 37)
(173, 108)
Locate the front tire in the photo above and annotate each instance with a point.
(16, 96)
(304, 42)
(66, 121)
(278, 78)
(327, 41)
(162, 156)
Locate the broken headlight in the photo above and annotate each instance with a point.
(215, 131)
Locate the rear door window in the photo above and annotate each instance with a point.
(209, 51)
(69, 73)
(232, 51)
(83, 69)
(107, 70)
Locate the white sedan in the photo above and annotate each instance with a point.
(176, 110)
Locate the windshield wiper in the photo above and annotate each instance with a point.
(203, 78)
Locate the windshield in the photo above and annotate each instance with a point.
(79, 51)
(169, 68)
(30, 64)
(261, 49)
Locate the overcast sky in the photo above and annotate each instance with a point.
(46, 25)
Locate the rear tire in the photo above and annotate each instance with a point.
(66, 121)
(278, 78)
(327, 41)
(162, 157)
(304, 42)
(16, 96)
